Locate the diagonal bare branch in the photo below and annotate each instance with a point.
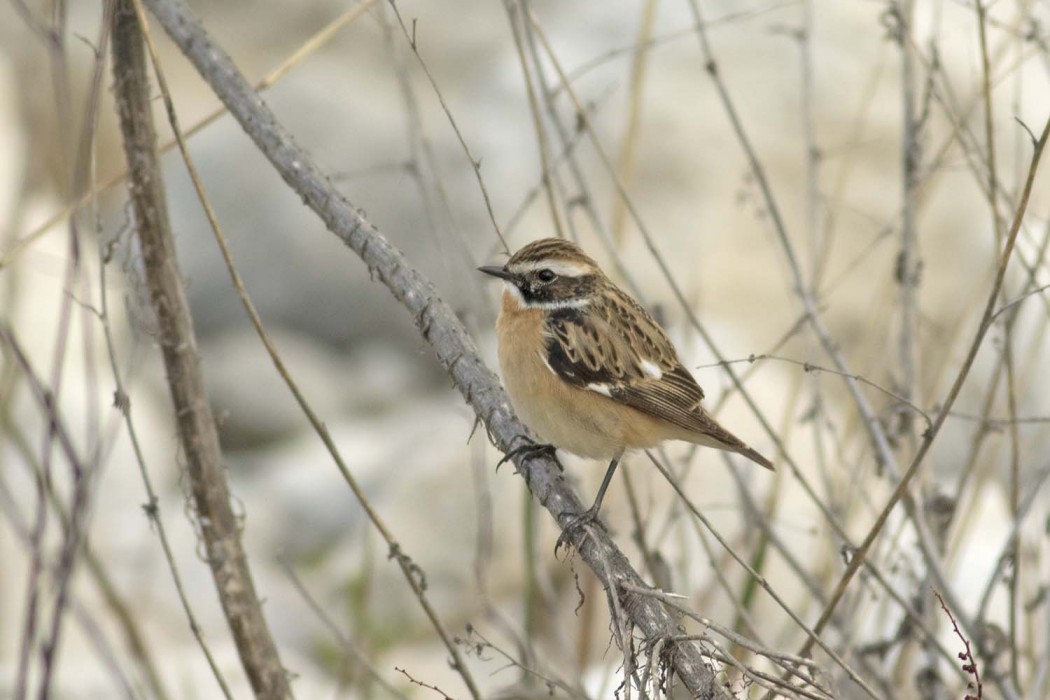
(441, 328)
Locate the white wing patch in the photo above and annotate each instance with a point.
(602, 389)
(650, 369)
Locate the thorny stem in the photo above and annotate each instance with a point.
(218, 526)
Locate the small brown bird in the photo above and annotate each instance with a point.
(588, 369)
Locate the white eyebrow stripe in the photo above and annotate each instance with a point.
(602, 389)
(650, 368)
(564, 268)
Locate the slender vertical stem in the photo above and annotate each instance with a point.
(812, 151)
(516, 15)
(219, 527)
(629, 142)
(1008, 345)
(908, 263)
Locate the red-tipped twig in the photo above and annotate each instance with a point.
(969, 664)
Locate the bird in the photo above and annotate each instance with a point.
(588, 369)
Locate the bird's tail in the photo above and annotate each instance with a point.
(754, 456)
(712, 434)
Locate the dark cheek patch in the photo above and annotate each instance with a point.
(535, 293)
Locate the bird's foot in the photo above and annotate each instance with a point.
(576, 523)
(531, 450)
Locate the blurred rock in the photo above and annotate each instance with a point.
(257, 409)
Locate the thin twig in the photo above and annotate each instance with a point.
(514, 14)
(909, 262)
(1008, 337)
(347, 644)
(421, 684)
(122, 402)
(809, 367)
(62, 94)
(83, 473)
(969, 665)
(474, 162)
(569, 135)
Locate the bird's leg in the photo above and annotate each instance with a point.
(531, 450)
(605, 484)
(591, 514)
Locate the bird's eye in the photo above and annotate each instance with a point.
(546, 275)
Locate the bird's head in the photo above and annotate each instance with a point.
(551, 273)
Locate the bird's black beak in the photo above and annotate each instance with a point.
(501, 272)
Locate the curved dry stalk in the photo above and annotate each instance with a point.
(83, 473)
(441, 328)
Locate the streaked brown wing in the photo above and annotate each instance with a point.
(615, 349)
(618, 350)
(675, 398)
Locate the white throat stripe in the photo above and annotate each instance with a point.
(512, 289)
(561, 304)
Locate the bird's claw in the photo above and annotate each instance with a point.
(531, 450)
(580, 520)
